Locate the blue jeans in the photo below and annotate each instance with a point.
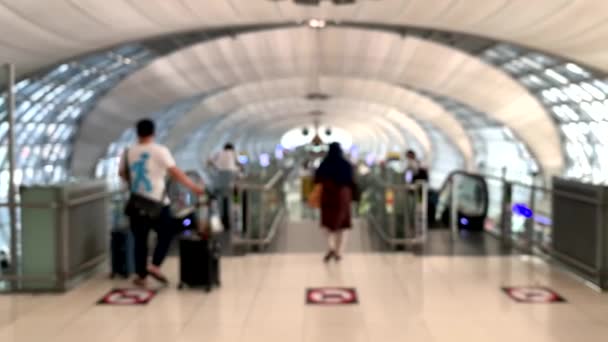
(224, 187)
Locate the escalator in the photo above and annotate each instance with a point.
(471, 199)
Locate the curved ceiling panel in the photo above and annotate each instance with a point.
(35, 37)
(284, 53)
(395, 101)
(373, 137)
(266, 114)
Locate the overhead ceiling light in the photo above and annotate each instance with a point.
(316, 113)
(318, 2)
(317, 23)
(317, 96)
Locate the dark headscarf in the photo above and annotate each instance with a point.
(335, 167)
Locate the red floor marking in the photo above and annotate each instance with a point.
(127, 297)
(331, 296)
(533, 294)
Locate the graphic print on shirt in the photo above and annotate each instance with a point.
(140, 174)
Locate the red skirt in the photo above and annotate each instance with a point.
(336, 206)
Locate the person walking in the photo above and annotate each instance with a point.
(336, 179)
(144, 167)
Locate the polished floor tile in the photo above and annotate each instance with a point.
(402, 298)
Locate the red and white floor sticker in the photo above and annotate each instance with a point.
(127, 297)
(331, 296)
(533, 294)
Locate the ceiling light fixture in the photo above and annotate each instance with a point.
(317, 96)
(317, 23)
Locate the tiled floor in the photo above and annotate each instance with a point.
(402, 298)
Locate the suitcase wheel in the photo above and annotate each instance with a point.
(207, 289)
(181, 286)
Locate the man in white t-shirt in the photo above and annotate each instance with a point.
(149, 165)
(226, 160)
(227, 165)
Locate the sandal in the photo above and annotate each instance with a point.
(159, 277)
(328, 256)
(140, 282)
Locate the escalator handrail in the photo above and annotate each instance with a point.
(514, 182)
(266, 186)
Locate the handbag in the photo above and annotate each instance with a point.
(138, 205)
(314, 198)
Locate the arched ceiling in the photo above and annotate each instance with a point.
(41, 33)
(249, 132)
(338, 52)
(346, 96)
(358, 121)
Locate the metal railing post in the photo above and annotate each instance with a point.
(424, 210)
(249, 214)
(530, 221)
(505, 212)
(454, 206)
(394, 214)
(12, 190)
(262, 230)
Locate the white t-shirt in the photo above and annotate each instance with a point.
(226, 161)
(148, 165)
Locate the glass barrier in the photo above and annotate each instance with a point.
(496, 192)
(398, 212)
(259, 207)
(543, 223)
(519, 213)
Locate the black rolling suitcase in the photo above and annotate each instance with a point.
(199, 252)
(199, 262)
(122, 252)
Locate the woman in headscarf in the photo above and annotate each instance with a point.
(335, 174)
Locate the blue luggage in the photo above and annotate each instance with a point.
(122, 252)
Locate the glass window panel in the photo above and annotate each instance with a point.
(577, 93)
(549, 96)
(556, 76)
(37, 95)
(542, 59)
(3, 129)
(601, 85)
(67, 133)
(532, 63)
(3, 155)
(22, 84)
(22, 107)
(594, 91)
(577, 70)
(595, 110)
(27, 116)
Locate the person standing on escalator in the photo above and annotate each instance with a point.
(144, 167)
(414, 171)
(228, 167)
